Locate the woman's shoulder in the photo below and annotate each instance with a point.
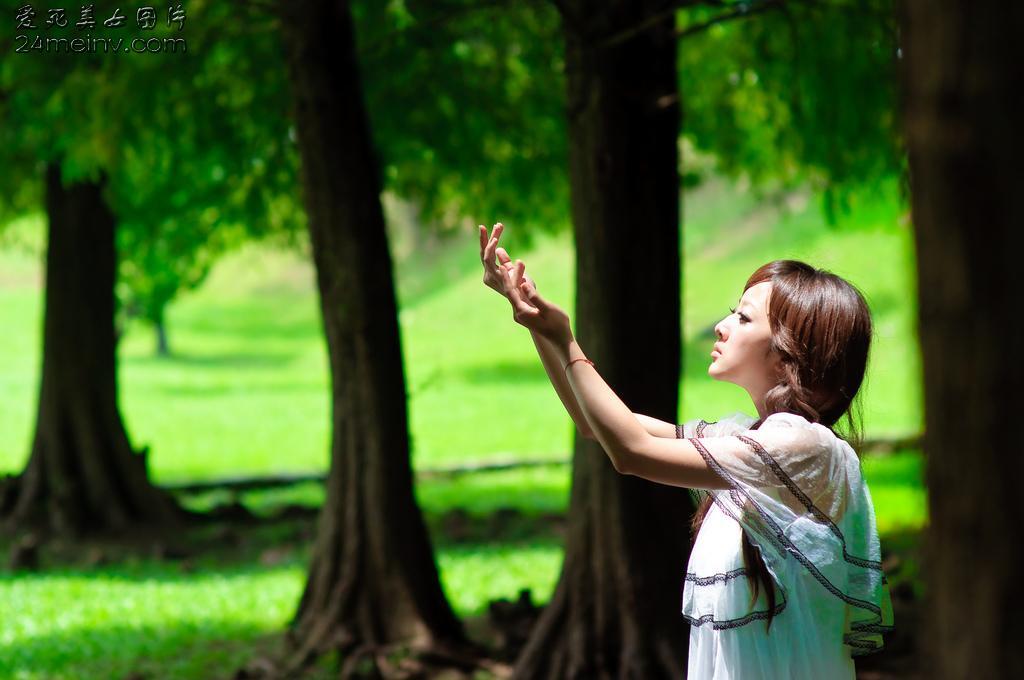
(825, 437)
(736, 421)
(795, 420)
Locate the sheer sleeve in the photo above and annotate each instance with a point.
(797, 491)
(733, 423)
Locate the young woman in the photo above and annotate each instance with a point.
(784, 578)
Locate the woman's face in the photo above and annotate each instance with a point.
(741, 355)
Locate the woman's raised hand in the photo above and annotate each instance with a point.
(509, 278)
(495, 273)
(529, 309)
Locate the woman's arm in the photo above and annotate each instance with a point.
(494, 277)
(560, 382)
(655, 427)
(631, 448)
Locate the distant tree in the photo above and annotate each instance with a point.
(82, 474)
(963, 65)
(155, 145)
(210, 159)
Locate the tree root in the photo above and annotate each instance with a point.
(392, 661)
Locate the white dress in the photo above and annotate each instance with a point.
(796, 489)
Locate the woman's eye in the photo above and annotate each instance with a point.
(743, 317)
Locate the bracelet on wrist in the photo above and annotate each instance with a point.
(580, 359)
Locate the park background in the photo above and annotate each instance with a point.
(232, 382)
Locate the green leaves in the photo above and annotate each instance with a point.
(805, 93)
(466, 105)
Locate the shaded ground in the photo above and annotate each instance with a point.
(234, 536)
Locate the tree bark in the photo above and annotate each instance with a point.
(373, 581)
(962, 71)
(615, 612)
(82, 476)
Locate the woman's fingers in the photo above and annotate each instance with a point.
(518, 276)
(530, 294)
(502, 254)
(487, 245)
(512, 280)
(489, 253)
(495, 235)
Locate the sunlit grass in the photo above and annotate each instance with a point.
(247, 390)
(148, 616)
(894, 481)
(897, 490)
(105, 623)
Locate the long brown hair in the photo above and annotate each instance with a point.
(821, 330)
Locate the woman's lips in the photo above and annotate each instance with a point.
(715, 353)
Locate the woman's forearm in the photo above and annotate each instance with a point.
(611, 421)
(556, 373)
(655, 427)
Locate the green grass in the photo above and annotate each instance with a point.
(247, 389)
(896, 483)
(155, 617)
(152, 617)
(162, 618)
(106, 623)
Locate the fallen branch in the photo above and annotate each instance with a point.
(254, 483)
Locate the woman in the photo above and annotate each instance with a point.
(784, 577)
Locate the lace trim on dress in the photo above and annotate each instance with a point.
(741, 621)
(701, 425)
(807, 503)
(737, 494)
(794, 489)
(713, 578)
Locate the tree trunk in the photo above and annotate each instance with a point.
(373, 581)
(82, 475)
(163, 348)
(962, 75)
(615, 612)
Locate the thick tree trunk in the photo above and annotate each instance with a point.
(962, 76)
(373, 582)
(616, 609)
(82, 475)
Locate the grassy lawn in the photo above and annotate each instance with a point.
(246, 393)
(247, 389)
(197, 617)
